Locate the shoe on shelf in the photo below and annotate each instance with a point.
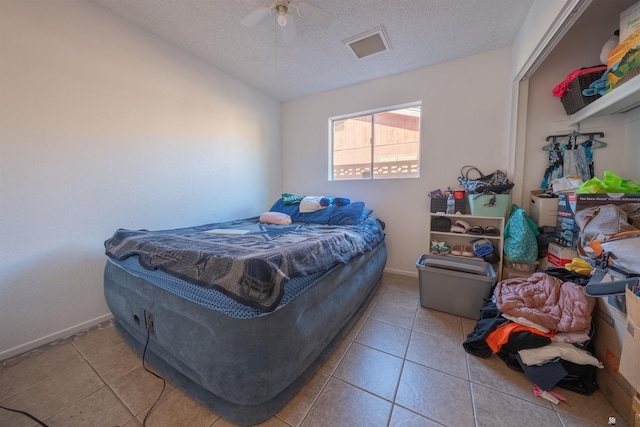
(444, 248)
(468, 251)
(460, 226)
(476, 230)
(456, 249)
(491, 231)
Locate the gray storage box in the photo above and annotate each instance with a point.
(454, 285)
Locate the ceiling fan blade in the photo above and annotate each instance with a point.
(289, 30)
(256, 16)
(314, 14)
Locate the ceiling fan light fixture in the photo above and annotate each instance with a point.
(281, 11)
(282, 19)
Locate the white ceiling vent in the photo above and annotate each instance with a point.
(369, 43)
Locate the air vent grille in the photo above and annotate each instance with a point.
(369, 43)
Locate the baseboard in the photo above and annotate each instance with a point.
(65, 333)
(401, 272)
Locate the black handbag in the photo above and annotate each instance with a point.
(497, 182)
(440, 223)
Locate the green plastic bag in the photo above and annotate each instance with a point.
(611, 183)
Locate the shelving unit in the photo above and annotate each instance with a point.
(620, 100)
(453, 238)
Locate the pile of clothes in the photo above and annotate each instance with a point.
(540, 325)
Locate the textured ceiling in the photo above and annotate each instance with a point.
(420, 33)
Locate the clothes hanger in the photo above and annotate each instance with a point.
(573, 137)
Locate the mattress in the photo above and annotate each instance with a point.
(242, 364)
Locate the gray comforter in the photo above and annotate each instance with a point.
(252, 267)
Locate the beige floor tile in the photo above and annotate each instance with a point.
(298, 407)
(435, 395)
(371, 370)
(343, 405)
(19, 377)
(496, 409)
(401, 417)
(351, 336)
(439, 324)
(271, 422)
(177, 409)
(408, 283)
(436, 353)
(100, 409)
(95, 343)
(50, 396)
(116, 361)
(593, 409)
(384, 337)
(138, 389)
(395, 314)
(332, 362)
(494, 373)
(467, 326)
(134, 422)
(400, 297)
(569, 421)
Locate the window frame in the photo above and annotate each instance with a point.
(372, 163)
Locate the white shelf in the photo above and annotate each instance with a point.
(620, 100)
(465, 238)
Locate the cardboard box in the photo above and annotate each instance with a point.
(630, 357)
(629, 21)
(544, 210)
(559, 256)
(610, 325)
(584, 201)
(566, 228)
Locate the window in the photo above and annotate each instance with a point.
(376, 145)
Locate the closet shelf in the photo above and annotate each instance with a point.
(620, 100)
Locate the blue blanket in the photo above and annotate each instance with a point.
(246, 260)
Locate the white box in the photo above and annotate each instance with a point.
(544, 210)
(559, 256)
(629, 21)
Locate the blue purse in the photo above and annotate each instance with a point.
(520, 237)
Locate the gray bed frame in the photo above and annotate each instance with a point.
(244, 370)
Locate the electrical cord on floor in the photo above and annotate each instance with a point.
(25, 414)
(164, 383)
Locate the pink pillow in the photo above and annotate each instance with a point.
(277, 218)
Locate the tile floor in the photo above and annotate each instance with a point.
(401, 365)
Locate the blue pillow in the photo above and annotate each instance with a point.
(331, 215)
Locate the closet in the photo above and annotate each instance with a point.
(542, 123)
(615, 115)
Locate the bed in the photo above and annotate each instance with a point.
(243, 312)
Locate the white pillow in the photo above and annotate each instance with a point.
(311, 204)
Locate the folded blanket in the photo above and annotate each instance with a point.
(547, 301)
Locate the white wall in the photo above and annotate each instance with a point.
(544, 18)
(104, 126)
(465, 120)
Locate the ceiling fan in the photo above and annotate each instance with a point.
(284, 13)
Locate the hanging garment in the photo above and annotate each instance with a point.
(569, 160)
(554, 167)
(578, 161)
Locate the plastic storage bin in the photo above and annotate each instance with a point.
(454, 285)
(490, 204)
